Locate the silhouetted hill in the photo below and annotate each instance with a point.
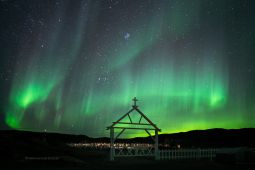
(197, 138)
(212, 138)
(22, 146)
(41, 136)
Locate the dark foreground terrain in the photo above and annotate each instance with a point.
(127, 164)
(32, 150)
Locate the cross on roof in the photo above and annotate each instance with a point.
(135, 100)
(143, 116)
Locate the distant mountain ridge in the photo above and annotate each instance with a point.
(213, 138)
(196, 138)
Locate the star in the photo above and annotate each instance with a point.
(86, 59)
(126, 36)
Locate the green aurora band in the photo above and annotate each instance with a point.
(78, 85)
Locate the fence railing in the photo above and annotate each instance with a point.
(126, 152)
(178, 154)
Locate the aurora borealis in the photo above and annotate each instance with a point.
(74, 66)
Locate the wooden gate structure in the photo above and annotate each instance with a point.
(146, 125)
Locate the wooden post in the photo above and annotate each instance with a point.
(112, 144)
(156, 145)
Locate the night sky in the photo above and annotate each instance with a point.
(74, 66)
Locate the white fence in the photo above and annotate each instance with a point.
(178, 154)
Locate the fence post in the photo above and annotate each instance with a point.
(156, 145)
(211, 154)
(112, 144)
(199, 153)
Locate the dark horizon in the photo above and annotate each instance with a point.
(146, 136)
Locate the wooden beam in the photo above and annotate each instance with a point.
(134, 123)
(129, 118)
(119, 134)
(147, 119)
(133, 128)
(140, 119)
(150, 135)
(120, 119)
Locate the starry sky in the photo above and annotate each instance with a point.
(74, 66)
